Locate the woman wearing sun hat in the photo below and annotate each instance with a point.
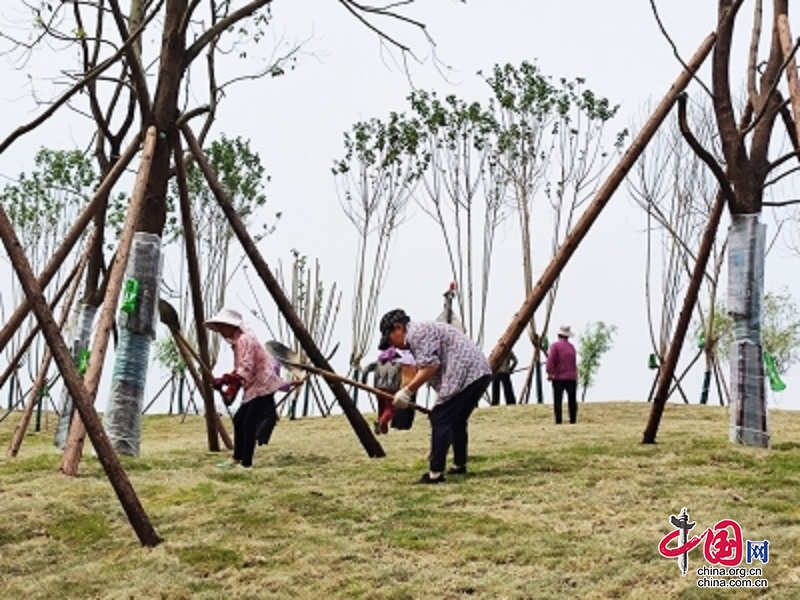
(256, 372)
(562, 371)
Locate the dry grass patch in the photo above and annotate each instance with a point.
(546, 511)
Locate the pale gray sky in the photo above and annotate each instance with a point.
(296, 123)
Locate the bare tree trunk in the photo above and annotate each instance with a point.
(83, 397)
(357, 421)
(581, 228)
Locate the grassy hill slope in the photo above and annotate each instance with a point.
(546, 512)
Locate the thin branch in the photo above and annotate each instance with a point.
(701, 152)
(88, 78)
(783, 203)
(674, 47)
(219, 27)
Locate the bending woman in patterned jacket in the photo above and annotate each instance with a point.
(451, 364)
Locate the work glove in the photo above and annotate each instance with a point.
(229, 392)
(228, 385)
(402, 398)
(226, 379)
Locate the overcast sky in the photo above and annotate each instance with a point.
(296, 123)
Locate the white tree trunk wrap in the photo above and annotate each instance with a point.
(748, 410)
(137, 328)
(81, 333)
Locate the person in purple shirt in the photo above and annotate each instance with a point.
(451, 364)
(562, 371)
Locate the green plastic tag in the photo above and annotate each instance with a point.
(83, 361)
(130, 296)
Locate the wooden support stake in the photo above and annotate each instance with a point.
(667, 370)
(785, 34)
(187, 354)
(206, 385)
(356, 419)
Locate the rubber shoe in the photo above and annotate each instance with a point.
(426, 478)
(457, 470)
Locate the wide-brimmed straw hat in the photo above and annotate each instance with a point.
(565, 331)
(227, 316)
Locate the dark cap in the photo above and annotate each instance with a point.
(388, 321)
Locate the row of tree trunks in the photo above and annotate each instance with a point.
(41, 379)
(13, 364)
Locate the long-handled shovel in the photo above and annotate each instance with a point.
(169, 317)
(291, 360)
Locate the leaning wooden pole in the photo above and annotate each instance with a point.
(787, 46)
(73, 235)
(23, 348)
(81, 395)
(186, 355)
(576, 235)
(74, 446)
(356, 419)
(667, 370)
(206, 385)
(41, 377)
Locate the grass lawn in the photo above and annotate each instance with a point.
(545, 512)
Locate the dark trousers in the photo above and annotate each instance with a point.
(508, 389)
(449, 425)
(571, 387)
(253, 422)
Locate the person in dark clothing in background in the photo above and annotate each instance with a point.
(562, 371)
(503, 376)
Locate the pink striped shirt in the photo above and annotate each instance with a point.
(258, 370)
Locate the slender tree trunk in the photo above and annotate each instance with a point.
(565, 251)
